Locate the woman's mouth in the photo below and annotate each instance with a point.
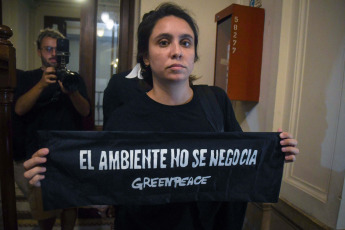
(176, 67)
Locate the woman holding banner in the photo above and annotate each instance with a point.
(167, 51)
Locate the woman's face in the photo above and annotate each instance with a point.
(171, 50)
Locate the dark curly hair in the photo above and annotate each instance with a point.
(146, 26)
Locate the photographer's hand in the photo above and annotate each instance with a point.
(48, 77)
(65, 91)
(78, 101)
(25, 103)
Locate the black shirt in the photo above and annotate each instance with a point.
(52, 111)
(120, 90)
(144, 114)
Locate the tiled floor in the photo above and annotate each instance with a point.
(26, 223)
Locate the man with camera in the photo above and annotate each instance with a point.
(43, 102)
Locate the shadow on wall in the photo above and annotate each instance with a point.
(242, 109)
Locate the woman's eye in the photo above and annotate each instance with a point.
(186, 43)
(163, 43)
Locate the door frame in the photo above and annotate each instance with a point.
(88, 36)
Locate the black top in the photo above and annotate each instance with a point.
(53, 110)
(144, 114)
(121, 90)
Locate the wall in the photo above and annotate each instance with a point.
(25, 17)
(302, 91)
(312, 63)
(49, 9)
(19, 23)
(258, 117)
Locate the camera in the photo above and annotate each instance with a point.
(70, 80)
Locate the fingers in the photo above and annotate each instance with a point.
(36, 159)
(290, 158)
(285, 135)
(31, 166)
(34, 176)
(290, 153)
(41, 152)
(288, 144)
(287, 138)
(50, 71)
(63, 88)
(290, 150)
(49, 76)
(33, 170)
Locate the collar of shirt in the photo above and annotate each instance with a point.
(136, 72)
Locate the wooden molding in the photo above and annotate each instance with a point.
(266, 216)
(7, 84)
(297, 88)
(87, 56)
(295, 215)
(127, 15)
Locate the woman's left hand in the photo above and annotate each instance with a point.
(289, 146)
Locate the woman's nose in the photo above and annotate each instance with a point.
(176, 51)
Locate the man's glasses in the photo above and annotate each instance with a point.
(49, 49)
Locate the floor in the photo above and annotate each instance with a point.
(87, 220)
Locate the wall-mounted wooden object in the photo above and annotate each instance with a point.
(239, 51)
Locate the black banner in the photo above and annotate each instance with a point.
(95, 168)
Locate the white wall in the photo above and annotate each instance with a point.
(303, 91)
(313, 104)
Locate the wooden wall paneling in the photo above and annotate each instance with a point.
(127, 17)
(7, 84)
(87, 56)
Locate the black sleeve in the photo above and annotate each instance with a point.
(24, 83)
(113, 97)
(230, 121)
(82, 89)
(18, 125)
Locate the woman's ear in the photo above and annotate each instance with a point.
(146, 60)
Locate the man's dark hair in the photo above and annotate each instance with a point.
(47, 33)
(145, 28)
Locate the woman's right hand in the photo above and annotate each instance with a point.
(33, 169)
